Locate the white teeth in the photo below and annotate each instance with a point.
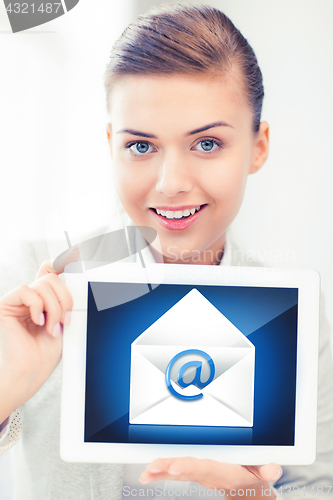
(177, 214)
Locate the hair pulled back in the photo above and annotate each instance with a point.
(187, 39)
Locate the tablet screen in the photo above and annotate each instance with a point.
(187, 364)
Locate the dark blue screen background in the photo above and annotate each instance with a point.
(267, 316)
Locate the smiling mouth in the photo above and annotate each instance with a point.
(177, 214)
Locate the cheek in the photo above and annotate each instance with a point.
(227, 185)
(132, 188)
(121, 181)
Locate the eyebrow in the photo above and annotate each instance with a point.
(193, 132)
(207, 127)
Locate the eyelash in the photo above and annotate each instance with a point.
(132, 143)
(216, 142)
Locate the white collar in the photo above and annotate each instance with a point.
(148, 257)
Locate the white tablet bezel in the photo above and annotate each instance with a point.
(72, 445)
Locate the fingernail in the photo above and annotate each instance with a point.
(174, 472)
(143, 480)
(41, 319)
(67, 318)
(155, 471)
(278, 474)
(56, 330)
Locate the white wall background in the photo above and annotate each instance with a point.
(54, 160)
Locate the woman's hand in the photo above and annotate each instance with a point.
(31, 319)
(223, 476)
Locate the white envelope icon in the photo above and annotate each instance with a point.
(193, 323)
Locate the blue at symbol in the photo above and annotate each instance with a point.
(197, 378)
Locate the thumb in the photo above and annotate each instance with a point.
(57, 267)
(270, 472)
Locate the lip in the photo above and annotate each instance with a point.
(180, 207)
(177, 224)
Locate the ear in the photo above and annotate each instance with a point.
(109, 135)
(261, 147)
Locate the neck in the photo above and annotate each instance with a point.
(210, 256)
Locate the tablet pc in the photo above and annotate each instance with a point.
(182, 360)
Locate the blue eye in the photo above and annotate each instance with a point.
(207, 145)
(140, 147)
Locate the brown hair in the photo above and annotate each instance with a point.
(187, 39)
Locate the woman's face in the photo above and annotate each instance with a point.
(182, 149)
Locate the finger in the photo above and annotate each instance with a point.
(270, 472)
(57, 267)
(24, 296)
(45, 269)
(63, 295)
(210, 473)
(221, 474)
(160, 465)
(52, 306)
(206, 472)
(71, 255)
(156, 470)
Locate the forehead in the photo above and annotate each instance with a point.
(181, 102)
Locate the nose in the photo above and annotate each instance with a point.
(174, 175)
